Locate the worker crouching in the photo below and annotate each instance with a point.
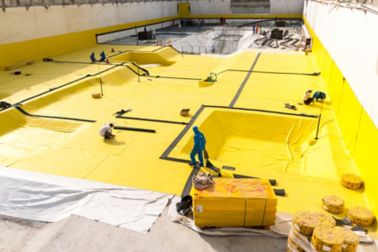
(106, 131)
(318, 96)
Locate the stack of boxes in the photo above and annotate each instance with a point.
(235, 203)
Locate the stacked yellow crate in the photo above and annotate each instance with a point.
(235, 203)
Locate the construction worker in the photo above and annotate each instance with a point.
(102, 56)
(308, 99)
(198, 148)
(106, 131)
(92, 57)
(319, 96)
(257, 28)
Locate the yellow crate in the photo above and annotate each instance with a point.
(235, 203)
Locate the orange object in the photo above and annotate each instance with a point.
(96, 96)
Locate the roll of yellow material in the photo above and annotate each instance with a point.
(351, 181)
(326, 239)
(361, 216)
(305, 221)
(333, 204)
(351, 239)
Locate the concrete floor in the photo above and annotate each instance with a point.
(80, 234)
(213, 38)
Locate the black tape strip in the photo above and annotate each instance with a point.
(135, 129)
(151, 120)
(188, 184)
(183, 132)
(238, 93)
(53, 117)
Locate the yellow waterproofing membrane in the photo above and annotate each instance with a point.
(252, 140)
(242, 114)
(359, 133)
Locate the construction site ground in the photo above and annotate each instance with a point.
(53, 127)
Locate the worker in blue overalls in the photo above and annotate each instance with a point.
(319, 96)
(198, 148)
(92, 57)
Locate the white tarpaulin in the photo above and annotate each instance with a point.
(43, 197)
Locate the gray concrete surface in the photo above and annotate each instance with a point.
(80, 234)
(76, 234)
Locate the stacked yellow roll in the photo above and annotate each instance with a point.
(325, 239)
(333, 204)
(351, 240)
(351, 181)
(305, 221)
(361, 216)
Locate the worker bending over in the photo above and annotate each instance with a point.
(92, 57)
(102, 56)
(307, 99)
(106, 131)
(317, 96)
(198, 148)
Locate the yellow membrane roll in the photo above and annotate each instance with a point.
(351, 239)
(305, 221)
(351, 181)
(361, 216)
(333, 204)
(326, 239)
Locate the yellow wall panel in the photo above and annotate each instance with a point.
(335, 86)
(358, 130)
(349, 115)
(36, 49)
(365, 155)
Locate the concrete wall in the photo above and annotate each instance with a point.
(351, 38)
(20, 24)
(286, 6)
(345, 47)
(224, 7)
(210, 7)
